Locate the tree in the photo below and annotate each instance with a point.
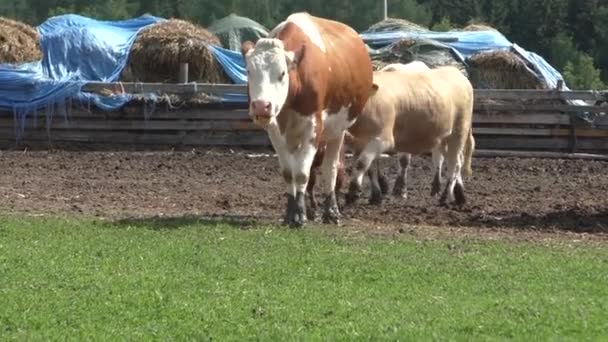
(443, 26)
(410, 10)
(582, 74)
(562, 50)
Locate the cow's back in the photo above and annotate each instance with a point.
(425, 104)
(336, 64)
(351, 70)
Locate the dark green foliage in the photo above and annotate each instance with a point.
(559, 30)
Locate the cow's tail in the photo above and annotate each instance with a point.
(469, 147)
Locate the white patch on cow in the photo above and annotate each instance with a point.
(336, 123)
(303, 21)
(297, 160)
(267, 74)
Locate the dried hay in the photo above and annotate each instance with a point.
(396, 24)
(159, 50)
(18, 42)
(502, 69)
(478, 27)
(476, 24)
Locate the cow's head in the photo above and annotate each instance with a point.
(269, 68)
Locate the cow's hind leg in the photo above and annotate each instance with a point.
(454, 189)
(371, 151)
(311, 207)
(438, 157)
(400, 188)
(375, 176)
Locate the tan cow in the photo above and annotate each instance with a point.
(307, 83)
(416, 112)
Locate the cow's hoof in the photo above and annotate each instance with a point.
(399, 188)
(291, 206)
(331, 213)
(435, 186)
(299, 211)
(459, 197)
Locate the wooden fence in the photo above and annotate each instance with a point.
(522, 120)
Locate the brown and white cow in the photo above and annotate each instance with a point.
(308, 81)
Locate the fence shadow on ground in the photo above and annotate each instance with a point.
(176, 222)
(569, 220)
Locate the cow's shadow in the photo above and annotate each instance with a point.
(177, 222)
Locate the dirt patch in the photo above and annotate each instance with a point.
(529, 197)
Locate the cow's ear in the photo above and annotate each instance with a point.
(247, 48)
(373, 89)
(294, 57)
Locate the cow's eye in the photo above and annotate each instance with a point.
(282, 75)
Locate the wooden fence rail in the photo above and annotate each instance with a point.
(523, 120)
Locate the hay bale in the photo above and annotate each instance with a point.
(479, 27)
(395, 24)
(159, 50)
(502, 69)
(18, 42)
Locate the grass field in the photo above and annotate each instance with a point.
(84, 279)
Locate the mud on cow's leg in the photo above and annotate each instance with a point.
(400, 188)
(303, 158)
(291, 198)
(311, 206)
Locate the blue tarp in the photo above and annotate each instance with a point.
(75, 50)
(467, 43)
(463, 44)
(78, 49)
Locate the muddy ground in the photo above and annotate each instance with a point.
(516, 196)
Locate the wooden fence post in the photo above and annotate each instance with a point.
(183, 73)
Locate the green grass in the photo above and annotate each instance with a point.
(80, 279)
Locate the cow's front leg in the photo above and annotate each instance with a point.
(301, 152)
(329, 169)
(286, 164)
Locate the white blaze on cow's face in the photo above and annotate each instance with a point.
(268, 77)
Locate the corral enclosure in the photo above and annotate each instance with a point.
(558, 193)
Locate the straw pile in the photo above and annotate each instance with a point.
(502, 69)
(395, 24)
(18, 42)
(160, 49)
(477, 25)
